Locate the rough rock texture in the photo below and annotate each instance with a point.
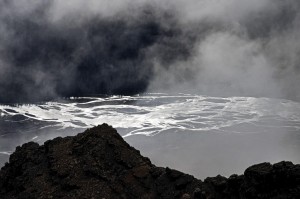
(100, 164)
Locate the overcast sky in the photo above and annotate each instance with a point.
(83, 47)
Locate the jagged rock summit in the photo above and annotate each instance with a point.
(98, 163)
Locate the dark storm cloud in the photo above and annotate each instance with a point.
(77, 56)
(54, 49)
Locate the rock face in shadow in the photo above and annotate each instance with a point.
(100, 164)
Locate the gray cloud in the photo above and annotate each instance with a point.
(252, 53)
(48, 53)
(56, 49)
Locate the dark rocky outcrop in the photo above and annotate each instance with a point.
(100, 164)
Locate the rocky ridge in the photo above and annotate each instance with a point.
(98, 163)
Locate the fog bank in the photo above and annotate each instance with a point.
(52, 48)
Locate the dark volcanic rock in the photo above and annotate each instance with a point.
(100, 164)
(281, 180)
(95, 164)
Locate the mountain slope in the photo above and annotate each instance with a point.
(100, 164)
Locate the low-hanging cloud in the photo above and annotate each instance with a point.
(250, 52)
(48, 53)
(58, 48)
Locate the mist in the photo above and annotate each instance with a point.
(251, 50)
(52, 49)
